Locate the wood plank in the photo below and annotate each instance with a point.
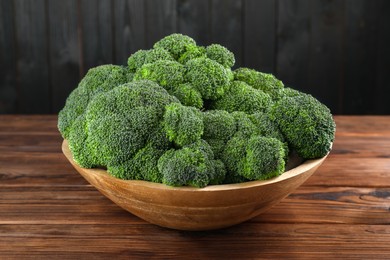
(248, 241)
(360, 37)
(64, 50)
(193, 19)
(362, 147)
(8, 84)
(325, 75)
(32, 62)
(96, 27)
(160, 20)
(129, 28)
(346, 205)
(362, 125)
(226, 26)
(259, 42)
(25, 123)
(308, 204)
(340, 171)
(293, 42)
(381, 89)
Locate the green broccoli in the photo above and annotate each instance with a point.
(178, 115)
(242, 97)
(307, 124)
(192, 52)
(209, 77)
(118, 123)
(183, 125)
(257, 158)
(221, 55)
(176, 44)
(136, 60)
(192, 165)
(99, 79)
(259, 80)
(166, 73)
(188, 95)
(143, 166)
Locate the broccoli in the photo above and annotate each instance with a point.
(259, 80)
(177, 114)
(307, 124)
(192, 52)
(221, 55)
(193, 165)
(183, 125)
(256, 158)
(209, 77)
(242, 97)
(136, 60)
(219, 127)
(118, 123)
(188, 95)
(97, 80)
(166, 73)
(176, 44)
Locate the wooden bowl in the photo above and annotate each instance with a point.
(188, 208)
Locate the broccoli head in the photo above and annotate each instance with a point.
(192, 165)
(242, 97)
(259, 80)
(221, 55)
(256, 158)
(176, 44)
(120, 122)
(136, 60)
(183, 125)
(99, 79)
(192, 52)
(188, 95)
(219, 127)
(209, 77)
(306, 123)
(166, 73)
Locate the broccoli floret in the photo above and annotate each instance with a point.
(257, 158)
(306, 123)
(166, 73)
(192, 52)
(120, 122)
(97, 80)
(158, 54)
(136, 60)
(192, 165)
(259, 80)
(209, 77)
(188, 95)
(218, 124)
(221, 55)
(183, 125)
(176, 44)
(265, 126)
(143, 166)
(242, 97)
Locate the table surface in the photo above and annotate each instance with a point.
(48, 210)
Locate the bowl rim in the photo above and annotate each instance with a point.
(300, 169)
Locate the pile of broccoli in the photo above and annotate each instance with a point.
(178, 114)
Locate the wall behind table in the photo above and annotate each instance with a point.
(336, 50)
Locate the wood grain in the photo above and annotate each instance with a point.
(47, 210)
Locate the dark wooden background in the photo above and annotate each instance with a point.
(336, 50)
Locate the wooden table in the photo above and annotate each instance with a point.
(48, 210)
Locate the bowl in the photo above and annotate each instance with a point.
(188, 208)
